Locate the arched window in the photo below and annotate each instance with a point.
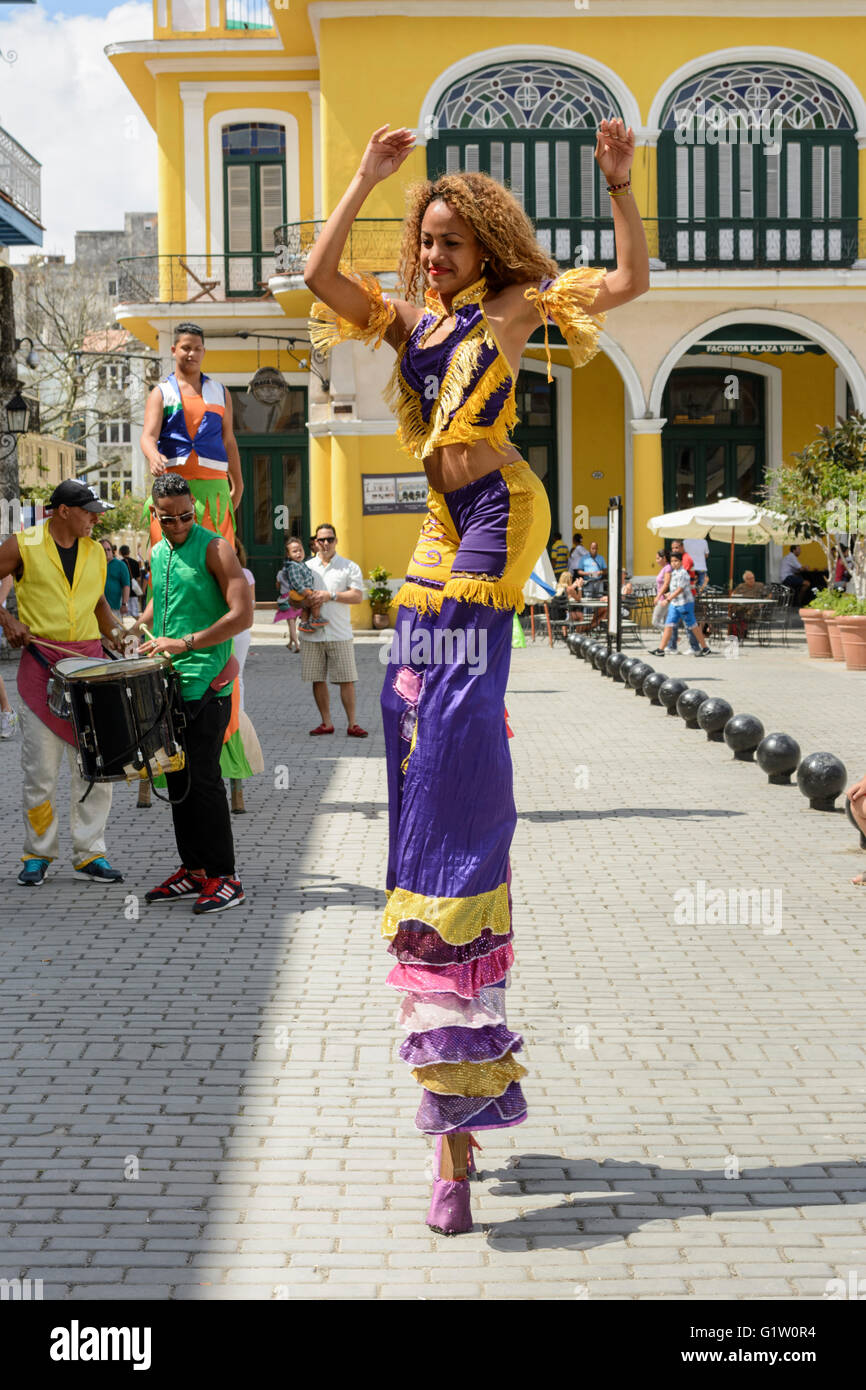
(254, 199)
(757, 167)
(532, 125)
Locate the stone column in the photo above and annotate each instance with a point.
(648, 490)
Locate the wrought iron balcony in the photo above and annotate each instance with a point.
(752, 243)
(20, 191)
(192, 279)
(373, 245)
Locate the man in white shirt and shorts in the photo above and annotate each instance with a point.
(328, 653)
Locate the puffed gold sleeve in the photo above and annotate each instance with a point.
(566, 301)
(327, 328)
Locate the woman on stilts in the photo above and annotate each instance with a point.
(470, 247)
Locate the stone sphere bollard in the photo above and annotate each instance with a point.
(743, 733)
(643, 685)
(581, 642)
(597, 651)
(669, 692)
(821, 777)
(571, 642)
(688, 705)
(614, 664)
(850, 814)
(713, 715)
(778, 756)
(652, 685)
(637, 674)
(625, 667)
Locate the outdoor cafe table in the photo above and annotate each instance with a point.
(719, 601)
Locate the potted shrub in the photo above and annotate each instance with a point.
(829, 601)
(851, 625)
(814, 617)
(379, 596)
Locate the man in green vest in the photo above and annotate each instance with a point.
(200, 600)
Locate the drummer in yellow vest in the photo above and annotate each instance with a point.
(59, 574)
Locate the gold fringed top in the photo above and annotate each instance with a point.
(327, 328)
(566, 301)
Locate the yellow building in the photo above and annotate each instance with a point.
(44, 461)
(750, 175)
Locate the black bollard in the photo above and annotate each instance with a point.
(625, 667)
(821, 777)
(778, 756)
(713, 715)
(688, 705)
(669, 692)
(637, 674)
(614, 665)
(652, 686)
(743, 733)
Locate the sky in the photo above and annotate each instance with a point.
(63, 101)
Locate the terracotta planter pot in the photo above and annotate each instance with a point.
(853, 633)
(817, 641)
(834, 634)
(381, 620)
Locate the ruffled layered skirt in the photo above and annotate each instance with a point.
(448, 919)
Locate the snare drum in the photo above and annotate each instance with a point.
(58, 702)
(123, 713)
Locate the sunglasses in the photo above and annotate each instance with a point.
(326, 540)
(174, 520)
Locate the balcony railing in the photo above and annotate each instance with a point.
(20, 177)
(194, 279)
(211, 17)
(373, 244)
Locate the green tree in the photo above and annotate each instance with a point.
(823, 492)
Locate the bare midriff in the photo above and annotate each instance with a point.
(454, 465)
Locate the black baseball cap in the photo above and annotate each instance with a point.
(72, 493)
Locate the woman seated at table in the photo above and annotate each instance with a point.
(740, 619)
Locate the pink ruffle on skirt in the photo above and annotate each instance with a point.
(420, 1013)
(464, 980)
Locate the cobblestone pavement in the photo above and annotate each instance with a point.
(214, 1109)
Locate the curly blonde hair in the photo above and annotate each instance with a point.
(513, 254)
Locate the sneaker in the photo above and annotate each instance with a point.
(33, 873)
(705, 651)
(178, 885)
(219, 894)
(318, 622)
(99, 870)
(306, 627)
(659, 651)
(8, 723)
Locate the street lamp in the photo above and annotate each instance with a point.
(17, 414)
(32, 358)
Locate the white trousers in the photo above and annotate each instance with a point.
(41, 756)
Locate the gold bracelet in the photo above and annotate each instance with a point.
(624, 194)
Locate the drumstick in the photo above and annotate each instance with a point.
(150, 637)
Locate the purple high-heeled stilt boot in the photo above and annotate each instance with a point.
(450, 1212)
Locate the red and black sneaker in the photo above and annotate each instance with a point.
(217, 894)
(179, 885)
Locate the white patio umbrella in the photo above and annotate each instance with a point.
(729, 520)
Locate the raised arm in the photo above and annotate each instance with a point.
(385, 152)
(614, 153)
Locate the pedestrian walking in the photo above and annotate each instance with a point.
(469, 245)
(681, 608)
(136, 592)
(56, 618)
(116, 581)
(327, 653)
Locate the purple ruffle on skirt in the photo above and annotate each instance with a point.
(424, 946)
(466, 980)
(460, 1045)
(439, 1114)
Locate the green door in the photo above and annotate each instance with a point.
(700, 469)
(535, 435)
(275, 505)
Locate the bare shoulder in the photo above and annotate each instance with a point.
(406, 316)
(509, 304)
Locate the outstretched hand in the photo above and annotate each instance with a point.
(385, 152)
(614, 150)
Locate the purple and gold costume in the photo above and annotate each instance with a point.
(451, 805)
